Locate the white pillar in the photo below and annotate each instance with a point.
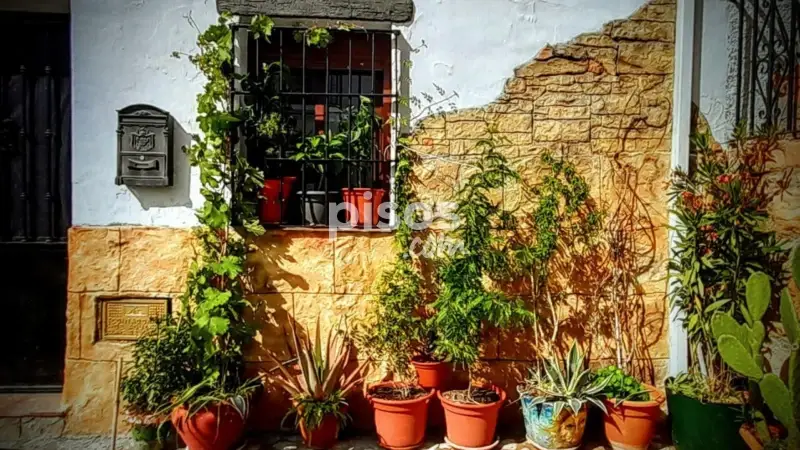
(684, 92)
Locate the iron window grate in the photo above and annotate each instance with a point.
(335, 139)
(767, 64)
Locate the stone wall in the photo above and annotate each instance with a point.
(603, 99)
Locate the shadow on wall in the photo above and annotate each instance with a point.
(178, 193)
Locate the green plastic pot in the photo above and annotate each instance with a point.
(704, 426)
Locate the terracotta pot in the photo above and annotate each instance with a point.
(433, 375)
(276, 192)
(471, 425)
(367, 202)
(216, 427)
(400, 423)
(632, 425)
(548, 430)
(324, 436)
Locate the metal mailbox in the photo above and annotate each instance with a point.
(144, 146)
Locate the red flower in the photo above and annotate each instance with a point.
(687, 196)
(724, 179)
(713, 236)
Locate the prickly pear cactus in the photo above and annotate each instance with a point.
(740, 347)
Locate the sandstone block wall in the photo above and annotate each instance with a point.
(604, 99)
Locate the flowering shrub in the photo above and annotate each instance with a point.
(723, 233)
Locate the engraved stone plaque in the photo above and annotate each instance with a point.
(128, 318)
(144, 146)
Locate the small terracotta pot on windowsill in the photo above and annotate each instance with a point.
(366, 202)
(273, 205)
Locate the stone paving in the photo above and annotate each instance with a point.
(268, 442)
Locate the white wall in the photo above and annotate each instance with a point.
(121, 55)
(717, 75)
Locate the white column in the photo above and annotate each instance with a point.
(684, 92)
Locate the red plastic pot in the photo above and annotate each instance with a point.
(272, 208)
(632, 425)
(472, 425)
(433, 375)
(216, 427)
(324, 436)
(400, 423)
(367, 203)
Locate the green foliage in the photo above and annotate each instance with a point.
(324, 381)
(620, 386)
(318, 37)
(395, 329)
(163, 364)
(741, 346)
(355, 136)
(707, 389)
(563, 212)
(261, 26)
(207, 366)
(721, 233)
(566, 385)
(464, 304)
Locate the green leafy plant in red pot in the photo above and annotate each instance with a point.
(362, 132)
(465, 305)
(633, 409)
(210, 411)
(319, 393)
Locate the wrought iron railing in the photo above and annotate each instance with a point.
(768, 64)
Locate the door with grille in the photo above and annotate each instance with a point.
(34, 198)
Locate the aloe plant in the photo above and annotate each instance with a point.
(569, 385)
(740, 346)
(324, 382)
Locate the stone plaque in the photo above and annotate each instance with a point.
(128, 318)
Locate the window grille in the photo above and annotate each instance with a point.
(335, 136)
(767, 64)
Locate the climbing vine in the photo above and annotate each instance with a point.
(465, 305)
(563, 214)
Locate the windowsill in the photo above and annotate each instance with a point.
(31, 405)
(326, 229)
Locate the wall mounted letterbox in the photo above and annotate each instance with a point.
(144, 146)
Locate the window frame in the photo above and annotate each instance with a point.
(246, 58)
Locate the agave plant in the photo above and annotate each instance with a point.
(324, 382)
(569, 386)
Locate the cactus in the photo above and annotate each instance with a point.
(740, 347)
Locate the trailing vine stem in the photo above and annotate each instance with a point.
(214, 302)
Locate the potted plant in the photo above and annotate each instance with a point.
(741, 346)
(722, 235)
(360, 130)
(317, 152)
(161, 368)
(432, 371)
(633, 409)
(319, 393)
(211, 413)
(465, 305)
(554, 401)
(401, 413)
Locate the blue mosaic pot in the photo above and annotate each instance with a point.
(550, 432)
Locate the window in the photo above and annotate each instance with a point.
(318, 125)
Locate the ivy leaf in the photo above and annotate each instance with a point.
(218, 326)
(254, 227)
